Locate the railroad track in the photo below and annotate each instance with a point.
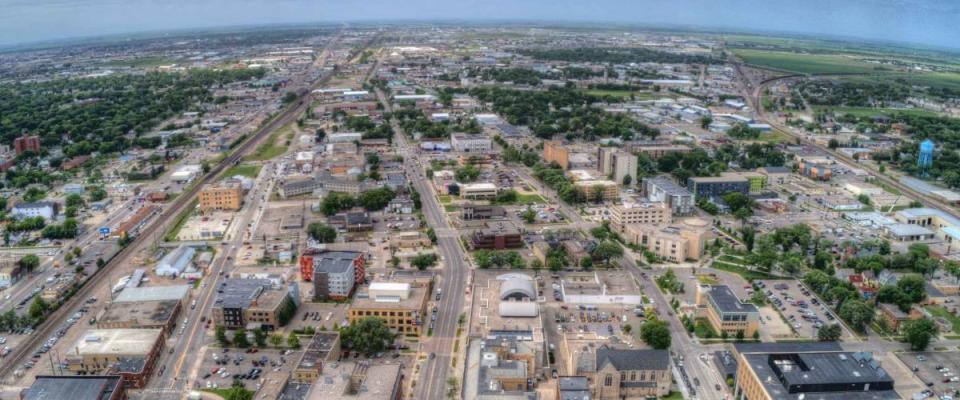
(755, 90)
(159, 225)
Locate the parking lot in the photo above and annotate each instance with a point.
(222, 366)
(319, 315)
(939, 371)
(802, 310)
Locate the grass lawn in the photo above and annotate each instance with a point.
(703, 329)
(638, 95)
(706, 279)
(805, 63)
(775, 136)
(270, 148)
(249, 171)
(530, 199)
(444, 198)
(451, 207)
(938, 311)
(741, 270)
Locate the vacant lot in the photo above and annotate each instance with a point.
(273, 146)
(249, 171)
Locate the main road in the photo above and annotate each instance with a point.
(432, 383)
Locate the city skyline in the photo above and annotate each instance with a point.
(924, 24)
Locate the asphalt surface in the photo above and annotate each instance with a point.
(432, 383)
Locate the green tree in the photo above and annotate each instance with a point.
(369, 335)
(29, 262)
(98, 194)
(424, 261)
(529, 215)
(914, 287)
(627, 328)
(656, 334)
(829, 333)
(240, 338)
(221, 335)
(276, 340)
(627, 179)
(536, 264)
(293, 341)
(321, 232)
(260, 337)
(38, 308)
(857, 313)
(607, 250)
(238, 392)
(919, 333)
(74, 200)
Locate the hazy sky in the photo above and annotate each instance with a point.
(929, 22)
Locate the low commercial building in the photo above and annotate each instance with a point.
(470, 212)
(664, 189)
(677, 242)
(619, 374)
(725, 312)
(895, 317)
(176, 261)
(595, 289)
(410, 240)
(402, 305)
(639, 213)
(787, 372)
(573, 388)
(130, 353)
(554, 151)
(465, 143)
(608, 190)
(44, 209)
(251, 304)
(323, 348)
(493, 374)
(497, 236)
(359, 381)
(297, 186)
(221, 196)
(131, 226)
(178, 293)
(331, 183)
(161, 315)
(10, 274)
(716, 186)
(816, 171)
(80, 387)
(352, 221)
(478, 191)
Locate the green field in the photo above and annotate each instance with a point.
(941, 312)
(249, 171)
(775, 136)
(806, 63)
(272, 147)
(530, 199)
(182, 218)
(869, 112)
(141, 62)
(747, 274)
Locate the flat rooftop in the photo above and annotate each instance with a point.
(320, 347)
(72, 387)
(140, 313)
(152, 293)
(416, 298)
(116, 342)
(378, 384)
(821, 369)
(726, 301)
(240, 293)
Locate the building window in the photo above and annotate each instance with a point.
(608, 380)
